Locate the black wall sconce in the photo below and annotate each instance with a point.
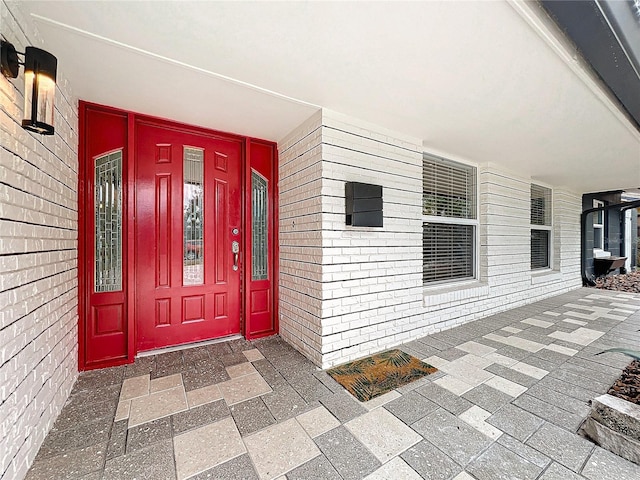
(39, 84)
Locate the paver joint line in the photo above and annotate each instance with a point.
(509, 392)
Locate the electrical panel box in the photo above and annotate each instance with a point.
(363, 204)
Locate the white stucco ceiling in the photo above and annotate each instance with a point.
(473, 80)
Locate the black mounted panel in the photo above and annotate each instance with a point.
(363, 204)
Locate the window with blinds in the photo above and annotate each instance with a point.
(540, 227)
(449, 210)
(449, 189)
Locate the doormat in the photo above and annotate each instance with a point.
(372, 376)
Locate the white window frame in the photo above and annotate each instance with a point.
(439, 219)
(547, 228)
(598, 226)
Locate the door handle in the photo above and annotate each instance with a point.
(235, 249)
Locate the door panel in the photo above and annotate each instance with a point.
(188, 203)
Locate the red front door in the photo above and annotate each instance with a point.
(188, 235)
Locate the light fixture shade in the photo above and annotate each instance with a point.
(39, 90)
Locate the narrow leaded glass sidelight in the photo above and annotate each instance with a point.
(193, 219)
(108, 223)
(259, 227)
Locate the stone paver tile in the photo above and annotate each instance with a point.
(436, 361)
(251, 415)
(537, 323)
(552, 314)
(253, 355)
(205, 447)
(487, 397)
(200, 396)
(232, 359)
(317, 421)
(573, 321)
(444, 398)
(411, 407)
(451, 354)
(500, 463)
(513, 375)
(551, 413)
(383, 434)
(463, 476)
(317, 468)
(284, 403)
(581, 336)
(380, 400)
(530, 370)
(506, 386)
(117, 440)
(81, 435)
(526, 452)
(395, 468)
(454, 384)
(450, 434)
(429, 462)
(198, 416)
(308, 387)
(476, 348)
(476, 417)
(69, 465)
(561, 349)
(476, 362)
(348, 456)
(154, 461)
(240, 389)
(157, 405)
(511, 329)
(604, 465)
(555, 471)
(343, 406)
(514, 341)
(238, 468)
(515, 421)
(135, 387)
(240, 370)
(280, 448)
(151, 432)
(122, 412)
(165, 383)
(501, 359)
(564, 447)
(560, 400)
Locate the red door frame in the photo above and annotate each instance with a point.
(262, 326)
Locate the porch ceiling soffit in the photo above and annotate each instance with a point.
(475, 80)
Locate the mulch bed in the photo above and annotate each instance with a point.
(627, 386)
(628, 282)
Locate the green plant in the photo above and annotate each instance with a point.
(630, 353)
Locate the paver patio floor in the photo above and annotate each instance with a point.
(510, 393)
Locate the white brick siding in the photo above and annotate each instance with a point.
(38, 265)
(347, 292)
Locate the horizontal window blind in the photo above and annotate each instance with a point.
(540, 248)
(447, 252)
(540, 205)
(449, 189)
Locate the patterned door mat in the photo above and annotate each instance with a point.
(372, 376)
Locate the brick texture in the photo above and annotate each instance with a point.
(347, 292)
(38, 262)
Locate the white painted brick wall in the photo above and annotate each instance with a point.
(38, 266)
(347, 292)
